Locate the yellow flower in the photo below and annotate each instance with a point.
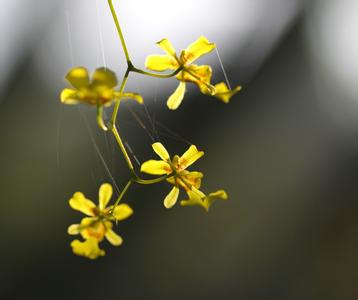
(97, 91)
(98, 224)
(175, 169)
(89, 248)
(200, 75)
(223, 93)
(197, 197)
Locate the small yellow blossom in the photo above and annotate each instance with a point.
(89, 248)
(100, 90)
(98, 224)
(175, 169)
(223, 93)
(197, 197)
(200, 75)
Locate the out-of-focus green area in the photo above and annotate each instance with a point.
(289, 230)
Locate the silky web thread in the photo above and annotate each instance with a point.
(140, 122)
(131, 151)
(150, 121)
(222, 68)
(155, 131)
(70, 48)
(98, 150)
(169, 132)
(100, 35)
(69, 35)
(58, 131)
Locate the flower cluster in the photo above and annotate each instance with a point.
(102, 89)
(98, 223)
(180, 177)
(199, 75)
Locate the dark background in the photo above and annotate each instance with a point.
(285, 149)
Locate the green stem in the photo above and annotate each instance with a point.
(116, 105)
(130, 68)
(100, 118)
(114, 15)
(135, 177)
(123, 149)
(149, 181)
(136, 70)
(122, 193)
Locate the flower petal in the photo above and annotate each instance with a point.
(172, 197)
(78, 77)
(133, 96)
(223, 93)
(166, 46)
(105, 194)
(194, 178)
(189, 157)
(122, 211)
(156, 167)
(161, 63)
(104, 78)
(113, 237)
(212, 197)
(73, 229)
(88, 248)
(69, 96)
(177, 97)
(80, 203)
(219, 194)
(195, 50)
(200, 75)
(93, 228)
(195, 198)
(161, 151)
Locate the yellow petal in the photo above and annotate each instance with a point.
(171, 198)
(122, 211)
(195, 198)
(166, 46)
(88, 248)
(103, 77)
(200, 75)
(93, 228)
(200, 47)
(187, 180)
(156, 167)
(105, 194)
(80, 203)
(212, 197)
(219, 194)
(161, 63)
(161, 151)
(177, 97)
(189, 157)
(113, 238)
(223, 93)
(69, 96)
(194, 179)
(78, 77)
(133, 96)
(73, 229)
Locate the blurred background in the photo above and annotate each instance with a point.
(285, 149)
